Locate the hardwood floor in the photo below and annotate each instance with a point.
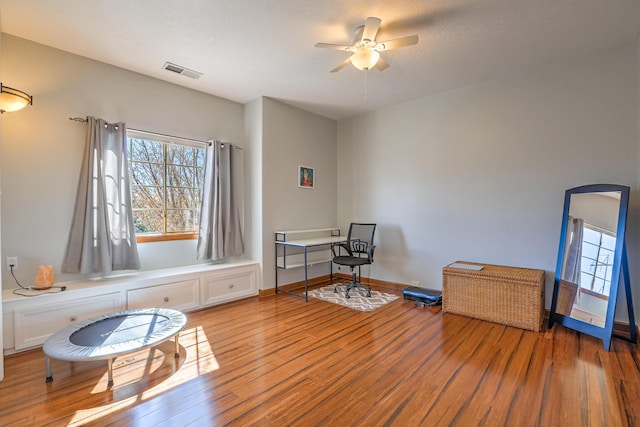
(280, 361)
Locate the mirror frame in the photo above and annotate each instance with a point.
(620, 265)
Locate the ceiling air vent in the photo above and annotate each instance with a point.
(174, 68)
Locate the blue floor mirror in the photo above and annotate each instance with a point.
(592, 260)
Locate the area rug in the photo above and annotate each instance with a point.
(358, 298)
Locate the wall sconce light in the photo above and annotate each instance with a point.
(13, 99)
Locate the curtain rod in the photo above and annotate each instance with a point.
(85, 120)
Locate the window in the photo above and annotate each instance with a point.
(598, 247)
(166, 186)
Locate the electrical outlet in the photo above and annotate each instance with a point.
(415, 283)
(12, 261)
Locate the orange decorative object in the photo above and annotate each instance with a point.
(44, 278)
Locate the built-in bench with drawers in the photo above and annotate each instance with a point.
(29, 321)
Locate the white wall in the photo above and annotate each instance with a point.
(253, 168)
(633, 224)
(1, 270)
(293, 137)
(479, 173)
(41, 156)
(42, 149)
(476, 174)
(596, 209)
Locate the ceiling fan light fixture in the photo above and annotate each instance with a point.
(365, 58)
(366, 50)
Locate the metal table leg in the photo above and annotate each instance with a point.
(47, 363)
(306, 279)
(110, 372)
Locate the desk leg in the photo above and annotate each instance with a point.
(306, 278)
(276, 268)
(331, 266)
(110, 372)
(47, 363)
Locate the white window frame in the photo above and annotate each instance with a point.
(167, 141)
(589, 287)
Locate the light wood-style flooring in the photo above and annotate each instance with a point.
(278, 361)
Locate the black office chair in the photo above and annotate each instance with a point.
(359, 249)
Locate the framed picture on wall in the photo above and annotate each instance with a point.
(306, 177)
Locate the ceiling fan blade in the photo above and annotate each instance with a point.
(342, 65)
(382, 64)
(401, 42)
(332, 46)
(371, 27)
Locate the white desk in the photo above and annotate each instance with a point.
(304, 240)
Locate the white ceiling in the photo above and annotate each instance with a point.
(252, 48)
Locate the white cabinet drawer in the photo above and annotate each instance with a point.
(180, 296)
(36, 323)
(227, 287)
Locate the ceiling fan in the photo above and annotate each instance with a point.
(365, 49)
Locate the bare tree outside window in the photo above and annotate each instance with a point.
(166, 185)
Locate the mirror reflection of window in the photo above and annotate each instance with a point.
(598, 246)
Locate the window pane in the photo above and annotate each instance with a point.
(585, 280)
(589, 250)
(200, 177)
(597, 258)
(146, 197)
(605, 258)
(181, 155)
(166, 185)
(147, 151)
(590, 236)
(181, 220)
(147, 174)
(198, 199)
(599, 286)
(201, 157)
(181, 176)
(182, 198)
(587, 265)
(608, 242)
(148, 221)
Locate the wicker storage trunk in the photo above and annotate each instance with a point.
(508, 295)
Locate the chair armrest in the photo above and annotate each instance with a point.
(343, 245)
(370, 252)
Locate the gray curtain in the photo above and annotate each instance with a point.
(102, 237)
(220, 234)
(573, 250)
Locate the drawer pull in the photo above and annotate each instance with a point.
(231, 285)
(166, 299)
(73, 318)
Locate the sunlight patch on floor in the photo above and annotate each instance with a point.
(136, 365)
(199, 360)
